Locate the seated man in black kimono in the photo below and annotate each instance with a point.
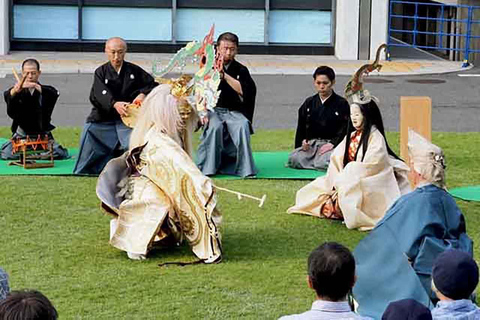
(225, 142)
(30, 105)
(322, 123)
(116, 84)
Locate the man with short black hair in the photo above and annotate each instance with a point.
(225, 142)
(331, 274)
(116, 84)
(322, 123)
(28, 304)
(30, 105)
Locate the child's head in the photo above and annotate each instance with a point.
(454, 275)
(331, 271)
(406, 309)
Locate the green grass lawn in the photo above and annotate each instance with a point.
(54, 238)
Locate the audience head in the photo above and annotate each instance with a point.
(227, 45)
(331, 271)
(32, 305)
(406, 309)
(115, 49)
(323, 81)
(427, 162)
(454, 275)
(4, 288)
(31, 70)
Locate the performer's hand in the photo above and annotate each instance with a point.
(18, 86)
(28, 85)
(38, 87)
(16, 89)
(305, 145)
(204, 120)
(325, 148)
(121, 108)
(139, 99)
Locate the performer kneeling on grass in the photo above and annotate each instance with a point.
(322, 123)
(116, 84)
(155, 191)
(30, 105)
(364, 176)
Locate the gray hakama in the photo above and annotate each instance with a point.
(101, 142)
(318, 123)
(225, 145)
(311, 158)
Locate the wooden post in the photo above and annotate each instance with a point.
(415, 113)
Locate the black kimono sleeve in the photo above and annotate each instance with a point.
(249, 91)
(100, 95)
(14, 106)
(147, 83)
(342, 129)
(301, 133)
(49, 99)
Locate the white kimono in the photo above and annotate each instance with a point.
(168, 195)
(366, 189)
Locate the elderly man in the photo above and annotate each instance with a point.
(116, 84)
(414, 231)
(225, 142)
(30, 105)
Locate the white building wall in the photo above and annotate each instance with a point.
(4, 28)
(379, 26)
(346, 29)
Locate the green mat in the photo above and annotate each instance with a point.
(271, 165)
(467, 193)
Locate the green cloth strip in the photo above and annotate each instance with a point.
(271, 165)
(471, 193)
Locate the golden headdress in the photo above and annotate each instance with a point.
(199, 91)
(354, 92)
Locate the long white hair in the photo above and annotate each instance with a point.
(158, 110)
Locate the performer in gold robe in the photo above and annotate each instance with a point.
(364, 176)
(155, 191)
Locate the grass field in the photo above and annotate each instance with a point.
(54, 238)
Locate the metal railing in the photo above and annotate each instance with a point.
(440, 9)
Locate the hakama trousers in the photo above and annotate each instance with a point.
(101, 142)
(225, 145)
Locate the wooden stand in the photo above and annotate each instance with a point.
(32, 150)
(415, 113)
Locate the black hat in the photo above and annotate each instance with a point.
(406, 309)
(455, 274)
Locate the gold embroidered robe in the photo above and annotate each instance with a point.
(168, 195)
(366, 189)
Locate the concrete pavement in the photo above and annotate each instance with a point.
(87, 62)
